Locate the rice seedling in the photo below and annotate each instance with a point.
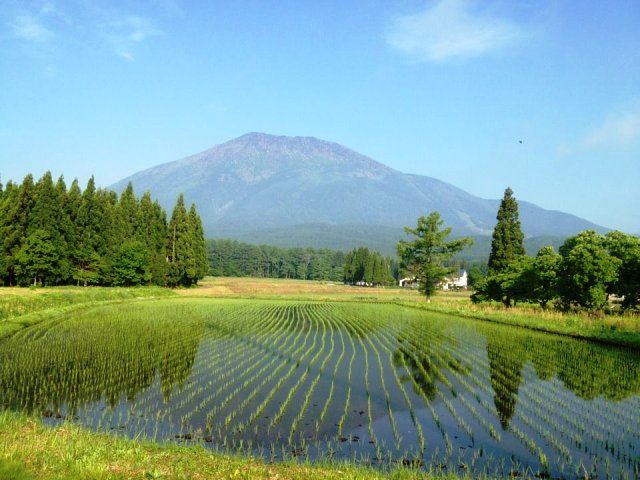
(376, 383)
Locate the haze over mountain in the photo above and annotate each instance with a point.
(304, 191)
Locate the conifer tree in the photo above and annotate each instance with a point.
(48, 215)
(86, 259)
(154, 235)
(127, 216)
(424, 256)
(201, 260)
(19, 205)
(508, 239)
(178, 245)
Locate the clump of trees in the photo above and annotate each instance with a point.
(364, 267)
(54, 235)
(231, 258)
(587, 270)
(423, 258)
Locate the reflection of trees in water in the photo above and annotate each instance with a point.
(587, 369)
(79, 362)
(416, 349)
(505, 370)
(421, 372)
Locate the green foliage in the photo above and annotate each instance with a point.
(423, 257)
(514, 284)
(626, 248)
(508, 239)
(589, 268)
(586, 271)
(38, 258)
(132, 265)
(544, 276)
(54, 236)
(231, 258)
(363, 267)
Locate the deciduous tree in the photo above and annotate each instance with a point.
(626, 248)
(586, 271)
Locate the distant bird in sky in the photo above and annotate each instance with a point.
(519, 141)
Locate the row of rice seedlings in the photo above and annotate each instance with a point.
(556, 401)
(248, 398)
(216, 348)
(411, 350)
(403, 338)
(285, 404)
(301, 352)
(561, 450)
(350, 322)
(187, 398)
(598, 441)
(314, 383)
(388, 342)
(242, 346)
(347, 402)
(388, 345)
(167, 406)
(327, 402)
(226, 374)
(75, 380)
(396, 337)
(363, 336)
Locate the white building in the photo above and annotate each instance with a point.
(456, 283)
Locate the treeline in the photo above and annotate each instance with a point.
(51, 235)
(363, 267)
(231, 258)
(588, 269)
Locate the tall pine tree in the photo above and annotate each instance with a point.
(508, 239)
(199, 247)
(178, 245)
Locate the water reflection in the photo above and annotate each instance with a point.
(587, 369)
(68, 367)
(505, 370)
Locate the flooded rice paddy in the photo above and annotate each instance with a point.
(376, 384)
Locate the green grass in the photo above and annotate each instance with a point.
(30, 450)
(613, 329)
(21, 307)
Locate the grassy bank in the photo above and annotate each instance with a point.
(621, 330)
(21, 307)
(30, 450)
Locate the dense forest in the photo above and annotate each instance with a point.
(54, 235)
(359, 266)
(363, 267)
(231, 258)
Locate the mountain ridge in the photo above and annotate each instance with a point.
(261, 182)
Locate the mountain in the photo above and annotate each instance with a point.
(304, 191)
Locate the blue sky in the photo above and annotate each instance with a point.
(443, 88)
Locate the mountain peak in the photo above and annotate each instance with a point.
(261, 181)
(290, 152)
